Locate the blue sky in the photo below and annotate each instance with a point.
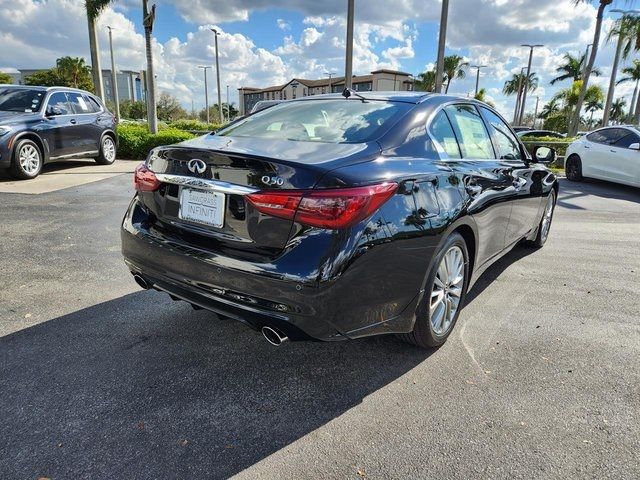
(265, 43)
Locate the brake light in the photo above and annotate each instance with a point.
(330, 208)
(144, 180)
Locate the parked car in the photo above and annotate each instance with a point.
(44, 124)
(524, 134)
(610, 153)
(264, 104)
(329, 218)
(521, 129)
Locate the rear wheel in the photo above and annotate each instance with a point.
(573, 168)
(440, 306)
(27, 160)
(107, 151)
(545, 222)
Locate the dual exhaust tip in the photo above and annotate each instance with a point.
(272, 335)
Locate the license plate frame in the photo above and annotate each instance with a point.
(202, 207)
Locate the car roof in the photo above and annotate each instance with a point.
(631, 127)
(44, 89)
(396, 96)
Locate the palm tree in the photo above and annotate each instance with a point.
(511, 85)
(550, 108)
(602, 6)
(633, 75)
(94, 8)
(73, 70)
(453, 69)
(617, 110)
(627, 31)
(593, 105)
(572, 69)
(426, 81)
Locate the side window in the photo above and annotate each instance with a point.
(627, 140)
(59, 100)
(472, 135)
(607, 136)
(78, 103)
(93, 104)
(442, 132)
(507, 143)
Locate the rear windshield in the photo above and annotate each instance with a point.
(20, 99)
(329, 121)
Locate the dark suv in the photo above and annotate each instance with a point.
(44, 124)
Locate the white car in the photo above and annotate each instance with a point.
(610, 153)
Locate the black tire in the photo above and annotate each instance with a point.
(573, 168)
(107, 151)
(423, 334)
(543, 233)
(27, 160)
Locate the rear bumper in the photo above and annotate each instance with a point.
(349, 305)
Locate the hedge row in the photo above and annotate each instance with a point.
(558, 144)
(135, 141)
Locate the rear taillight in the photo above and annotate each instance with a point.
(145, 180)
(330, 208)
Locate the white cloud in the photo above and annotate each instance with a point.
(283, 24)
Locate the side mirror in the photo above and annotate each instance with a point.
(54, 111)
(544, 155)
(634, 146)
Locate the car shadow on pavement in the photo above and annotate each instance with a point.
(590, 187)
(142, 387)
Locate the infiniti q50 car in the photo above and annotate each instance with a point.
(336, 217)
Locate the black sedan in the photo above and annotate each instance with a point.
(44, 124)
(332, 218)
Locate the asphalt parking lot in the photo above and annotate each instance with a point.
(540, 379)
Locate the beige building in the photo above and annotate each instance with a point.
(380, 80)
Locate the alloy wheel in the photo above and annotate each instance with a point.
(108, 149)
(29, 158)
(447, 291)
(546, 219)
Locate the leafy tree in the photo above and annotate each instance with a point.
(453, 69)
(5, 78)
(169, 108)
(133, 110)
(482, 96)
(602, 6)
(556, 122)
(572, 68)
(68, 72)
(426, 81)
(229, 110)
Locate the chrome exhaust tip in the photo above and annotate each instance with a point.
(141, 281)
(273, 336)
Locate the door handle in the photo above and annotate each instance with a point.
(587, 146)
(613, 151)
(73, 120)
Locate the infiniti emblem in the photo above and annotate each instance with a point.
(196, 165)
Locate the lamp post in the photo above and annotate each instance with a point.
(206, 90)
(114, 78)
(478, 68)
(152, 110)
(535, 115)
(216, 33)
(330, 75)
(348, 67)
(228, 107)
(526, 79)
(441, 45)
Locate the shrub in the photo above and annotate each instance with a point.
(195, 125)
(558, 144)
(135, 141)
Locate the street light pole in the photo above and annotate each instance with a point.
(526, 79)
(478, 67)
(535, 115)
(228, 107)
(218, 76)
(330, 75)
(152, 110)
(206, 91)
(114, 78)
(348, 67)
(444, 15)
